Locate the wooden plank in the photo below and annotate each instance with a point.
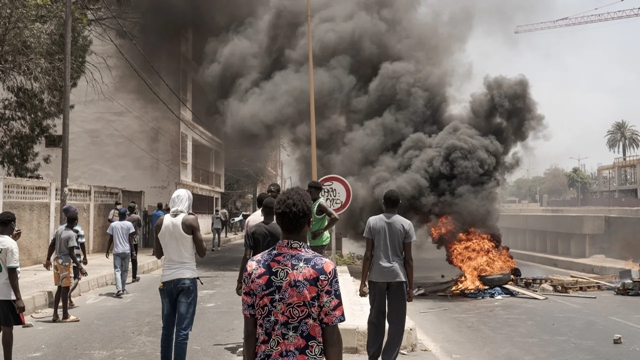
(525, 292)
(589, 279)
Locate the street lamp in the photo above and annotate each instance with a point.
(579, 159)
(312, 104)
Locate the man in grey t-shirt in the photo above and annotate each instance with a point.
(388, 267)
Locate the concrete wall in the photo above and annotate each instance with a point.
(35, 238)
(100, 226)
(573, 235)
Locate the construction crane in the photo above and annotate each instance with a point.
(579, 20)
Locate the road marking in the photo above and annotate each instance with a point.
(625, 322)
(566, 303)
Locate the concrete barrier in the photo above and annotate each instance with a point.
(354, 329)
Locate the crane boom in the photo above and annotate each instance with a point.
(579, 20)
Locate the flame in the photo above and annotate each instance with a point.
(473, 252)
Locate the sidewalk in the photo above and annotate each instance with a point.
(598, 265)
(38, 289)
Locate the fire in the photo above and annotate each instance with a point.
(473, 252)
(631, 265)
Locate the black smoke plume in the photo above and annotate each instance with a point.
(383, 70)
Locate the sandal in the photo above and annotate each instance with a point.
(71, 304)
(118, 294)
(70, 319)
(55, 319)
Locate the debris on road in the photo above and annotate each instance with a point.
(525, 292)
(570, 295)
(630, 284)
(617, 339)
(567, 285)
(433, 310)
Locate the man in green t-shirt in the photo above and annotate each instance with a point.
(323, 219)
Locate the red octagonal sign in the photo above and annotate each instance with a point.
(336, 193)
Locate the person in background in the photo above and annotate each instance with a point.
(113, 214)
(136, 221)
(260, 237)
(291, 299)
(80, 252)
(178, 239)
(256, 217)
(224, 214)
(216, 229)
(273, 190)
(64, 244)
(121, 237)
(323, 219)
(388, 267)
(11, 304)
(154, 220)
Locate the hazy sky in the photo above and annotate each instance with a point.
(583, 77)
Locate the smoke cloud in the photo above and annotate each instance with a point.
(383, 74)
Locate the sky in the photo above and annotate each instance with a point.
(584, 77)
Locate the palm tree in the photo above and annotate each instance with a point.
(623, 136)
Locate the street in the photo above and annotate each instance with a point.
(129, 328)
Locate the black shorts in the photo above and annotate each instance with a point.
(9, 315)
(76, 273)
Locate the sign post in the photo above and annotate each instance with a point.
(337, 195)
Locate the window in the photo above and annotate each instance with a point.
(184, 148)
(53, 141)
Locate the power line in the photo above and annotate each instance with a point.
(149, 61)
(140, 73)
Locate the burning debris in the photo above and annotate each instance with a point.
(475, 253)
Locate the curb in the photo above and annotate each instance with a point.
(354, 330)
(566, 263)
(44, 300)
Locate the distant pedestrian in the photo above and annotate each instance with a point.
(388, 266)
(113, 214)
(260, 237)
(136, 221)
(121, 235)
(64, 244)
(216, 229)
(11, 304)
(178, 239)
(323, 219)
(274, 190)
(224, 214)
(256, 217)
(291, 296)
(157, 215)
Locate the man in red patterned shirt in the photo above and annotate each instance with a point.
(291, 297)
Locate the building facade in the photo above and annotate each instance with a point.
(139, 130)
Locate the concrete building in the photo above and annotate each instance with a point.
(619, 179)
(123, 135)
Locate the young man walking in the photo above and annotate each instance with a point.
(136, 221)
(64, 244)
(291, 296)
(216, 229)
(256, 217)
(224, 214)
(80, 252)
(260, 237)
(113, 214)
(178, 239)
(11, 304)
(388, 266)
(154, 219)
(121, 235)
(323, 219)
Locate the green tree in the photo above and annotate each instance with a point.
(579, 181)
(554, 183)
(31, 76)
(622, 136)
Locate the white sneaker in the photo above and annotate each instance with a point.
(218, 248)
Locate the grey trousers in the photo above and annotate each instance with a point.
(121, 270)
(396, 295)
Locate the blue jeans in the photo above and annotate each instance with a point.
(179, 298)
(121, 270)
(216, 232)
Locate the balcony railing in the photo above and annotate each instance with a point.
(206, 177)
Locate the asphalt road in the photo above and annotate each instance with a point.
(130, 328)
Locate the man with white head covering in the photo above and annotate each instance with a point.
(178, 239)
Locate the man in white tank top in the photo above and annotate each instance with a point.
(178, 239)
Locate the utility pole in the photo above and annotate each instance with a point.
(312, 101)
(579, 159)
(64, 172)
